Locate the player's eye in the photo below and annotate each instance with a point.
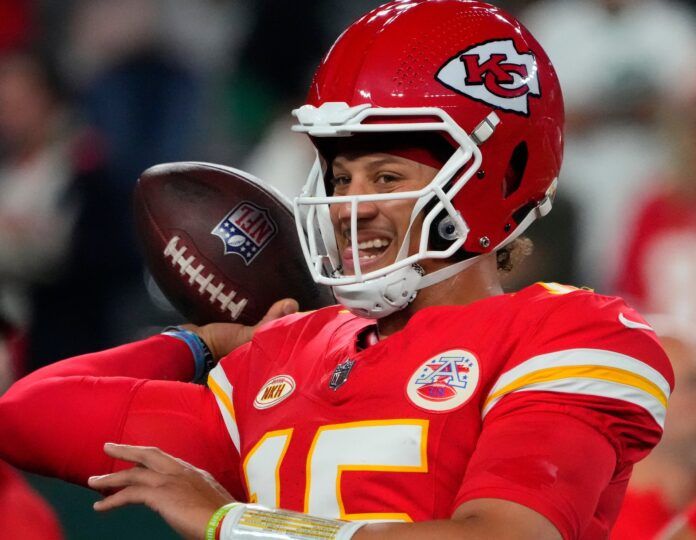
(339, 182)
(386, 178)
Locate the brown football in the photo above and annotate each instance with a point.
(220, 244)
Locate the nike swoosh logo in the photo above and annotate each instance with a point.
(633, 324)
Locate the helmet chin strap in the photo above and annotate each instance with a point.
(380, 297)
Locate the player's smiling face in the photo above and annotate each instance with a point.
(382, 225)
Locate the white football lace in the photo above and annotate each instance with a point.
(204, 284)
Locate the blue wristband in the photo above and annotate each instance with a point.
(202, 357)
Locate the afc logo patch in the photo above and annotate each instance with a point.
(444, 382)
(494, 73)
(246, 230)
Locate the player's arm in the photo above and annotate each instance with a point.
(57, 427)
(188, 498)
(56, 420)
(480, 519)
(161, 357)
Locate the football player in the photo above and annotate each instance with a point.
(427, 403)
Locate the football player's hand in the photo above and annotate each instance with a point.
(185, 496)
(223, 338)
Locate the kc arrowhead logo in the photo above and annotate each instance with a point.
(495, 73)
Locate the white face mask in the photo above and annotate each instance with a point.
(390, 288)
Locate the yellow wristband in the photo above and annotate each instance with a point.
(254, 522)
(216, 518)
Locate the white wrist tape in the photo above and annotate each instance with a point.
(254, 522)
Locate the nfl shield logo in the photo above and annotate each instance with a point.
(246, 230)
(340, 374)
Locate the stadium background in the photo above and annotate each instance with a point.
(92, 92)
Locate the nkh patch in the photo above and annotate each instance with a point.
(274, 391)
(444, 382)
(494, 73)
(246, 230)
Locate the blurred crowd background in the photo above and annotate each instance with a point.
(92, 92)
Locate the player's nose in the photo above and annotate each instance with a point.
(364, 210)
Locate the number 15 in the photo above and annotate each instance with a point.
(398, 445)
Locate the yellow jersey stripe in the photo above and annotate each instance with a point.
(599, 388)
(603, 373)
(222, 390)
(582, 357)
(595, 372)
(226, 401)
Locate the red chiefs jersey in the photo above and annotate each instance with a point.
(545, 397)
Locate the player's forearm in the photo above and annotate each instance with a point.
(159, 358)
(480, 519)
(55, 420)
(57, 426)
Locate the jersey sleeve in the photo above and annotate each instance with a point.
(58, 426)
(582, 398)
(550, 462)
(159, 357)
(227, 380)
(56, 422)
(220, 384)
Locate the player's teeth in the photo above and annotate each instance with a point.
(376, 243)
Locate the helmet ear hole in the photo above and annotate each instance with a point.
(515, 169)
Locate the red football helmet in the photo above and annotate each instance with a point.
(468, 71)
